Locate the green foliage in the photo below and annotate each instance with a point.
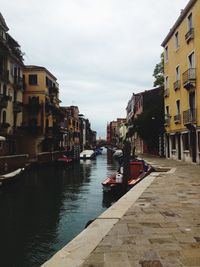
(149, 124)
(158, 73)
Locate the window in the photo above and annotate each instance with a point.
(166, 82)
(177, 73)
(185, 138)
(176, 40)
(33, 79)
(177, 107)
(166, 53)
(167, 110)
(191, 61)
(4, 117)
(4, 89)
(47, 81)
(190, 23)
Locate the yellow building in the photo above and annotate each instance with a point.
(41, 114)
(182, 85)
(11, 90)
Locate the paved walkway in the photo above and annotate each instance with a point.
(162, 228)
(156, 224)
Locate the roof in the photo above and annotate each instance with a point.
(3, 23)
(179, 20)
(39, 68)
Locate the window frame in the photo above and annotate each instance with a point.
(31, 81)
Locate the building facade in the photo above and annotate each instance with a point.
(11, 90)
(42, 116)
(182, 86)
(145, 113)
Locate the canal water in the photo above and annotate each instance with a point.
(48, 206)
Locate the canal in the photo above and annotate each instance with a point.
(47, 207)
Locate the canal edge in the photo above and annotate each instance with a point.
(78, 249)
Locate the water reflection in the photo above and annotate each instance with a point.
(47, 207)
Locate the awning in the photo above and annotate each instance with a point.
(2, 138)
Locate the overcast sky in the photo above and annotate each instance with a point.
(101, 51)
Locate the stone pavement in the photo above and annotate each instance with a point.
(161, 228)
(156, 224)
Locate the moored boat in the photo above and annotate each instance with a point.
(87, 154)
(64, 160)
(9, 177)
(138, 170)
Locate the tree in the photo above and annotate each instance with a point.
(149, 124)
(158, 73)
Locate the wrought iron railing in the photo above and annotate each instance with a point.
(189, 116)
(189, 35)
(189, 76)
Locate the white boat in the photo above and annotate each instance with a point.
(8, 177)
(118, 153)
(87, 154)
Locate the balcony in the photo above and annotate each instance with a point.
(177, 118)
(189, 79)
(4, 75)
(53, 91)
(189, 35)
(167, 120)
(4, 128)
(189, 116)
(4, 101)
(17, 106)
(166, 92)
(177, 85)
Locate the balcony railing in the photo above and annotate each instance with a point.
(189, 35)
(177, 85)
(189, 78)
(166, 92)
(4, 100)
(17, 106)
(189, 116)
(177, 118)
(167, 120)
(53, 90)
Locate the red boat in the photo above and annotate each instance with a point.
(138, 170)
(64, 160)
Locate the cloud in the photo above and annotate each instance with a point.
(100, 51)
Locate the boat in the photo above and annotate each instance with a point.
(98, 150)
(118, 153)
(87, 154)
(138, 170)
(64, 160)
(9, 177)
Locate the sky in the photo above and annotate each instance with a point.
(101, 51)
